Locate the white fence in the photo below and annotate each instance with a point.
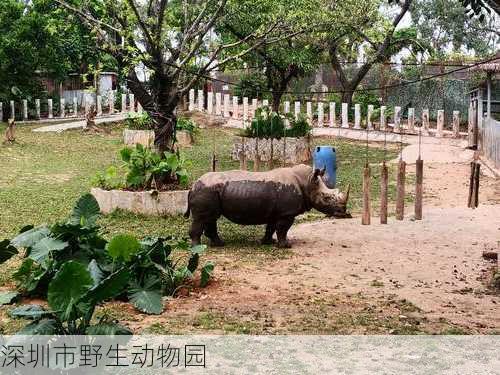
(491, 140)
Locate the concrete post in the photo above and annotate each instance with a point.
(37, 109)
(131, 99)
(297, 110)
(286, 108)
(226, 105)
(235, 107)
(397, 119)
(255, 104)
(265, 103)
(456, 124)
(124, 103)
(245, 111)
(345, 116)
(333, 122)
(12, 110)
(62, 108)
(357, 116)
(191, 100)
(425, 121)
(383, 119)
(139, 108)
(25, 109)
(309, 112)
(321, 114)
(369, 114)
(411, 120)
(440, 123)
(75, 106)
(201, 104)
(98, 104)
(49, 102)
(210, 102)
(218, 104)
(111, 102)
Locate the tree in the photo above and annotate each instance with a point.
(283, 61)
(36, 38)
(174, 40)
(380, 38)
(446, 26)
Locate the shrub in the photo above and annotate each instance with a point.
(147, 169)
(268, 124)
(72, 259)
(138, 121)
(186, 125)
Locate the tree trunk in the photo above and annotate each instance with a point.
(276, 101)
(164, 125)
(347, 95)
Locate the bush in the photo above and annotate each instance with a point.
(268, 124)
(138, 121)
(71, 259)
(187, 125)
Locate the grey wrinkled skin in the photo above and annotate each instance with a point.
(273, 198)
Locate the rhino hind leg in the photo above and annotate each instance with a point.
(213, 235)
(268, 237)
(282, 227)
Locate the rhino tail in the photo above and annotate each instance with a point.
(188, 211)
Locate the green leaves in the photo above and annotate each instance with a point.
(41, 327)
(30, 237)
(110, 287)
(147, 298)
(41, 250)
(67, 287)
(29, 312)
(7, 251)
(108, 329)
(206, 273)
(123, 246)
(86, 212)
(7, 297)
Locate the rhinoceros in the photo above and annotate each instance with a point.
(273, 198)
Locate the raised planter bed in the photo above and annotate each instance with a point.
(152, 203)
(147, 137)
(296, 150)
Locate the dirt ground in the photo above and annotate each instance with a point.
(341, 277)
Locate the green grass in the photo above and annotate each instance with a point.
(44, 173)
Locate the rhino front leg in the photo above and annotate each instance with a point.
(282, 227)
(268, 237)
(213, 235)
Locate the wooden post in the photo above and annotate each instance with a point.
(384, 180)
(419, 189)
(400, 193)
(456, 124)
(471, 183)
(256, 159)
(476, 185)
(365, 220)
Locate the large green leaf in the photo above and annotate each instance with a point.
(41, 327)
(110, 287)
(123, 246)
(29, 312)
(95, 272)
(67, 287)
(108, 329)
(7, 251)
(7, 297)
(41, 250)
(30, 237)
(196, 251)
(29, 275)
(206, 273)
(86, 211)
(147, 298)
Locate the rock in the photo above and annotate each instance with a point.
(490, 255)
(144, 137)
(296, 150)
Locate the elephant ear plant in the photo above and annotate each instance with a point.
(76, 269)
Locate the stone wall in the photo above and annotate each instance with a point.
(296, 150)
(142, 202)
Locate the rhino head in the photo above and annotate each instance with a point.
(331, 202)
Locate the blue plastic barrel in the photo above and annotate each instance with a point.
(325, 156)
